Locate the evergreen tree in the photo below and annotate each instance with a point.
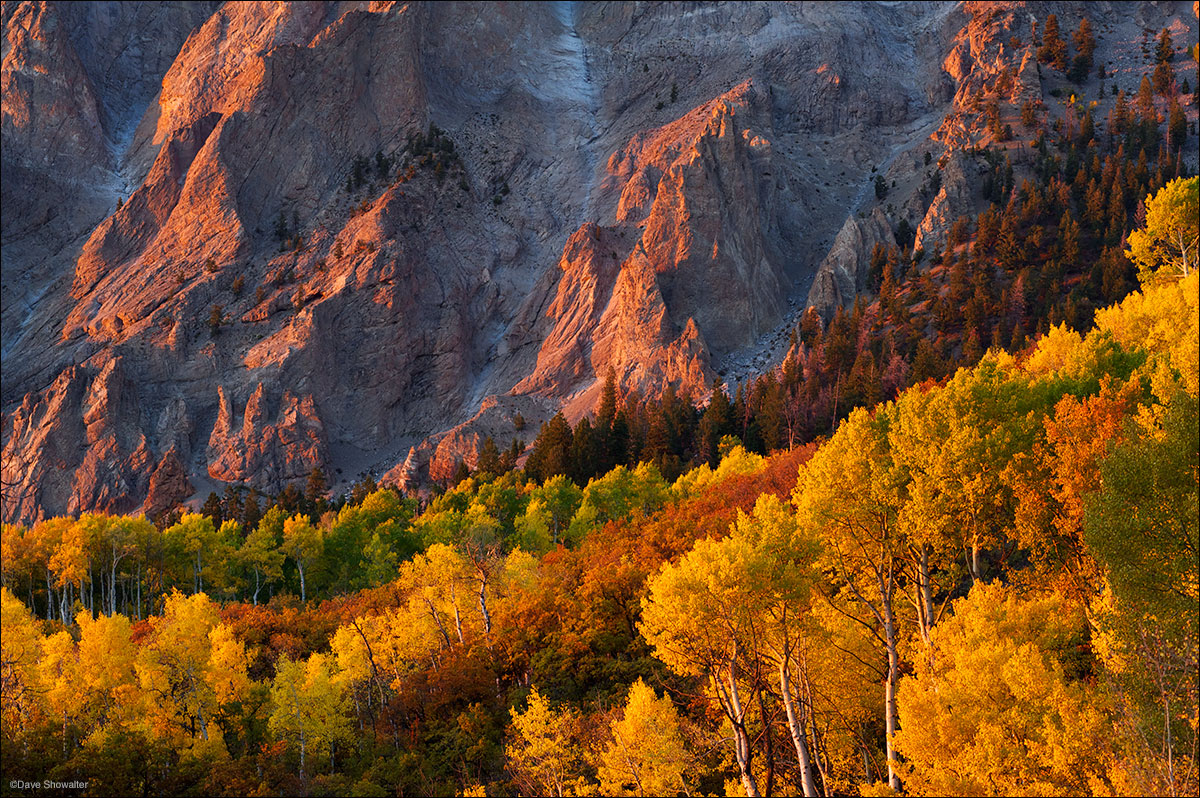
(551, 450)
(620, 440)
(1177, 125)
(251, 514)
(928, 363)
(1085, 40)
(582, 457)
(1053, 50)
(315, 492)
(716, 422)
(1165, 52)
(489, 458)
(212, 508)
(1164, 76)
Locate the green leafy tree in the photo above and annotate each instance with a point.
(196, 536)
(260, 559)
(309, 708)
(1142, 526)
(304, 543)
(1167, 246)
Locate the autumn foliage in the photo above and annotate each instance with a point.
(987, 585)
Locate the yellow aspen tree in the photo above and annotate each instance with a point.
(438, 581)
(1166, 248)
(20, 649)
(355, 669)
(648, 754)
(14, 564)
(543, 754)
(60, 681)
(995, 711)
(226, 672)
(173, 669)
(848, 494)
(42, 543)
(1162, 319)
(309, 708)
(120, 542)
(953, 444)
(106, 664)
(69, 563)
(701, 619)
(482, 549)
(784, 570)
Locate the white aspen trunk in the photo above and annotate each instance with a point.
(49, 598)
(796, 727)
(890, 691)
(302, 747)
(741, 739)
(821, 760)
(487, 618)
(633, 770)
(199, 707)
(112, 587)
(437, 619)
(457, 616)
(926, 596)
(300, 568)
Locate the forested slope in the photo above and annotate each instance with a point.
(986, 586)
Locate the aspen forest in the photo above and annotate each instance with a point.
(986, 585)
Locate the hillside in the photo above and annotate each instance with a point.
(985, 587)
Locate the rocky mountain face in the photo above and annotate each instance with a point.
(241, 241)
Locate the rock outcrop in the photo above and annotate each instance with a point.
(504, 419)
(955, 198)
(266, 449)
(842, 275)
(169, 486)
(694, 248)
(89, 452)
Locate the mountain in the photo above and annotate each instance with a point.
(243, 241)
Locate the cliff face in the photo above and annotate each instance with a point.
(202, 283)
